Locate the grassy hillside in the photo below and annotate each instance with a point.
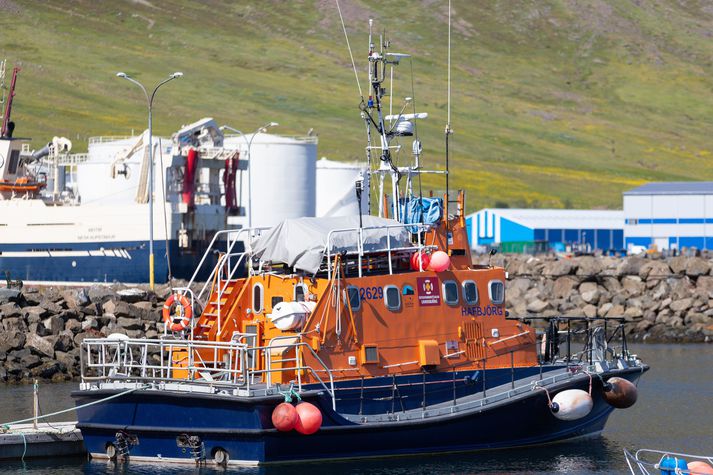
(561, 103)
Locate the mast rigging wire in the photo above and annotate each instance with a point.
(344, 28)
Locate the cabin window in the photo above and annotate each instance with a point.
(496, 291)
(470, 292)
(450, 292)
(258, 298)
(392, 297)
(354, 300)
(370, 354)
(14, 162)
(275, 300)
(300, 292)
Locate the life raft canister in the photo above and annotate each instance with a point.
(181, 319)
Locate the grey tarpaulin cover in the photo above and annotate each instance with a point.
(301, 243)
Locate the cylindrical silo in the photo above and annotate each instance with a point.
(280, 180)
(336, 194)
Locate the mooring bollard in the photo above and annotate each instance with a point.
(35, 403)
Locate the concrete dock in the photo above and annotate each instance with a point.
(54, 439)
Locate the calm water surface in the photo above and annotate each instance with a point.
(674, 412)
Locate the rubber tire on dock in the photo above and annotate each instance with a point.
(221, 458)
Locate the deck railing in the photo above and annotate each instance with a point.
(230, 364)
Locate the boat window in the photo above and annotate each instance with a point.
(14, 162)
(275, 300)
(300, 292)
(354, 301)
(258, 298)
(496, 291)
(392, 297)
(370, 354)
(450, 292)
(470, 292)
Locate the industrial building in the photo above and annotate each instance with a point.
(670, 215)
(528, 230)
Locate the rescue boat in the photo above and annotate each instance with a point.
(351, 336)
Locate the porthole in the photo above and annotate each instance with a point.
(354, 300)
(392, 297)
(258, 298)
(450, 292)
(470, 292)
(496, 291)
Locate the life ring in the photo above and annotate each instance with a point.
(180, 320)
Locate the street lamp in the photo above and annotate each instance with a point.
(149, 101)
(260, 130)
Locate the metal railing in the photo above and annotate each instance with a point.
(229, 364)
(359, 238)
(648, 461)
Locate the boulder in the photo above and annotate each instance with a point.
(54, 325)
(76, 298)
(12, 340)
(654, 269)
(589, 292)
(40, 345)
(632, 285)
(604, 309)
(564, 286)
(589, 266)
(616, 311)
(630, 266)
(129, 323)
(10, 310)
(696, 266)
(633, 312)
(678, 264)
(132, 295)
(65, 341)
(681, 305)
(100, 294)
(10, 295)
(590, 311)
(537, 306)
(558, 268)
(37, 312)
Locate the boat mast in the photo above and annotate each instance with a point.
(8, 106)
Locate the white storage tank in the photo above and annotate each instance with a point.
(94, 178)
(282, 178)
(336, 192)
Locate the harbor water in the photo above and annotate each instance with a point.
(673, 413)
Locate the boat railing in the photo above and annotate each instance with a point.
(231, 258)
(595, 334)
(648, 461)
(164, 359)
(357, 235)
(216, 363)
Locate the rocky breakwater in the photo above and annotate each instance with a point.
(41, 330)
(668, 300)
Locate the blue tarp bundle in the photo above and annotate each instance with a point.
(421, 210)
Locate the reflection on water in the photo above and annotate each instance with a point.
(673, 413)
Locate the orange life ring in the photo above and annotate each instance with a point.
(180, 320)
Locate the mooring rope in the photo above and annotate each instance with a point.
(6, 426)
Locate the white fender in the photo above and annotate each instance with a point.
(571, 404)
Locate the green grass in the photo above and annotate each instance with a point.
(555, 103)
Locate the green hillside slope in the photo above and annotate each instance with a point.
(561, 103)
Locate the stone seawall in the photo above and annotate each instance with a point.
(672, 298)
(41, 329)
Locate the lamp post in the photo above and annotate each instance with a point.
(260, 130)
(149, 101)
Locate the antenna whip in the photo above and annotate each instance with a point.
(356, 75)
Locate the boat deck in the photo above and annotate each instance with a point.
(20, 441)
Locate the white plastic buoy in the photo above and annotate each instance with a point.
(571, 404)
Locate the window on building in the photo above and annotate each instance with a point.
(470, 292)
(450, 292)
(392, 297)
(496, 292)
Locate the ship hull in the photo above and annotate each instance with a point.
(241, 426)
(99, 261)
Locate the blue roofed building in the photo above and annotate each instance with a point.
(669, 215)
(557, 228)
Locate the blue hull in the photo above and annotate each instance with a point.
(101, 262)
(242, 426)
